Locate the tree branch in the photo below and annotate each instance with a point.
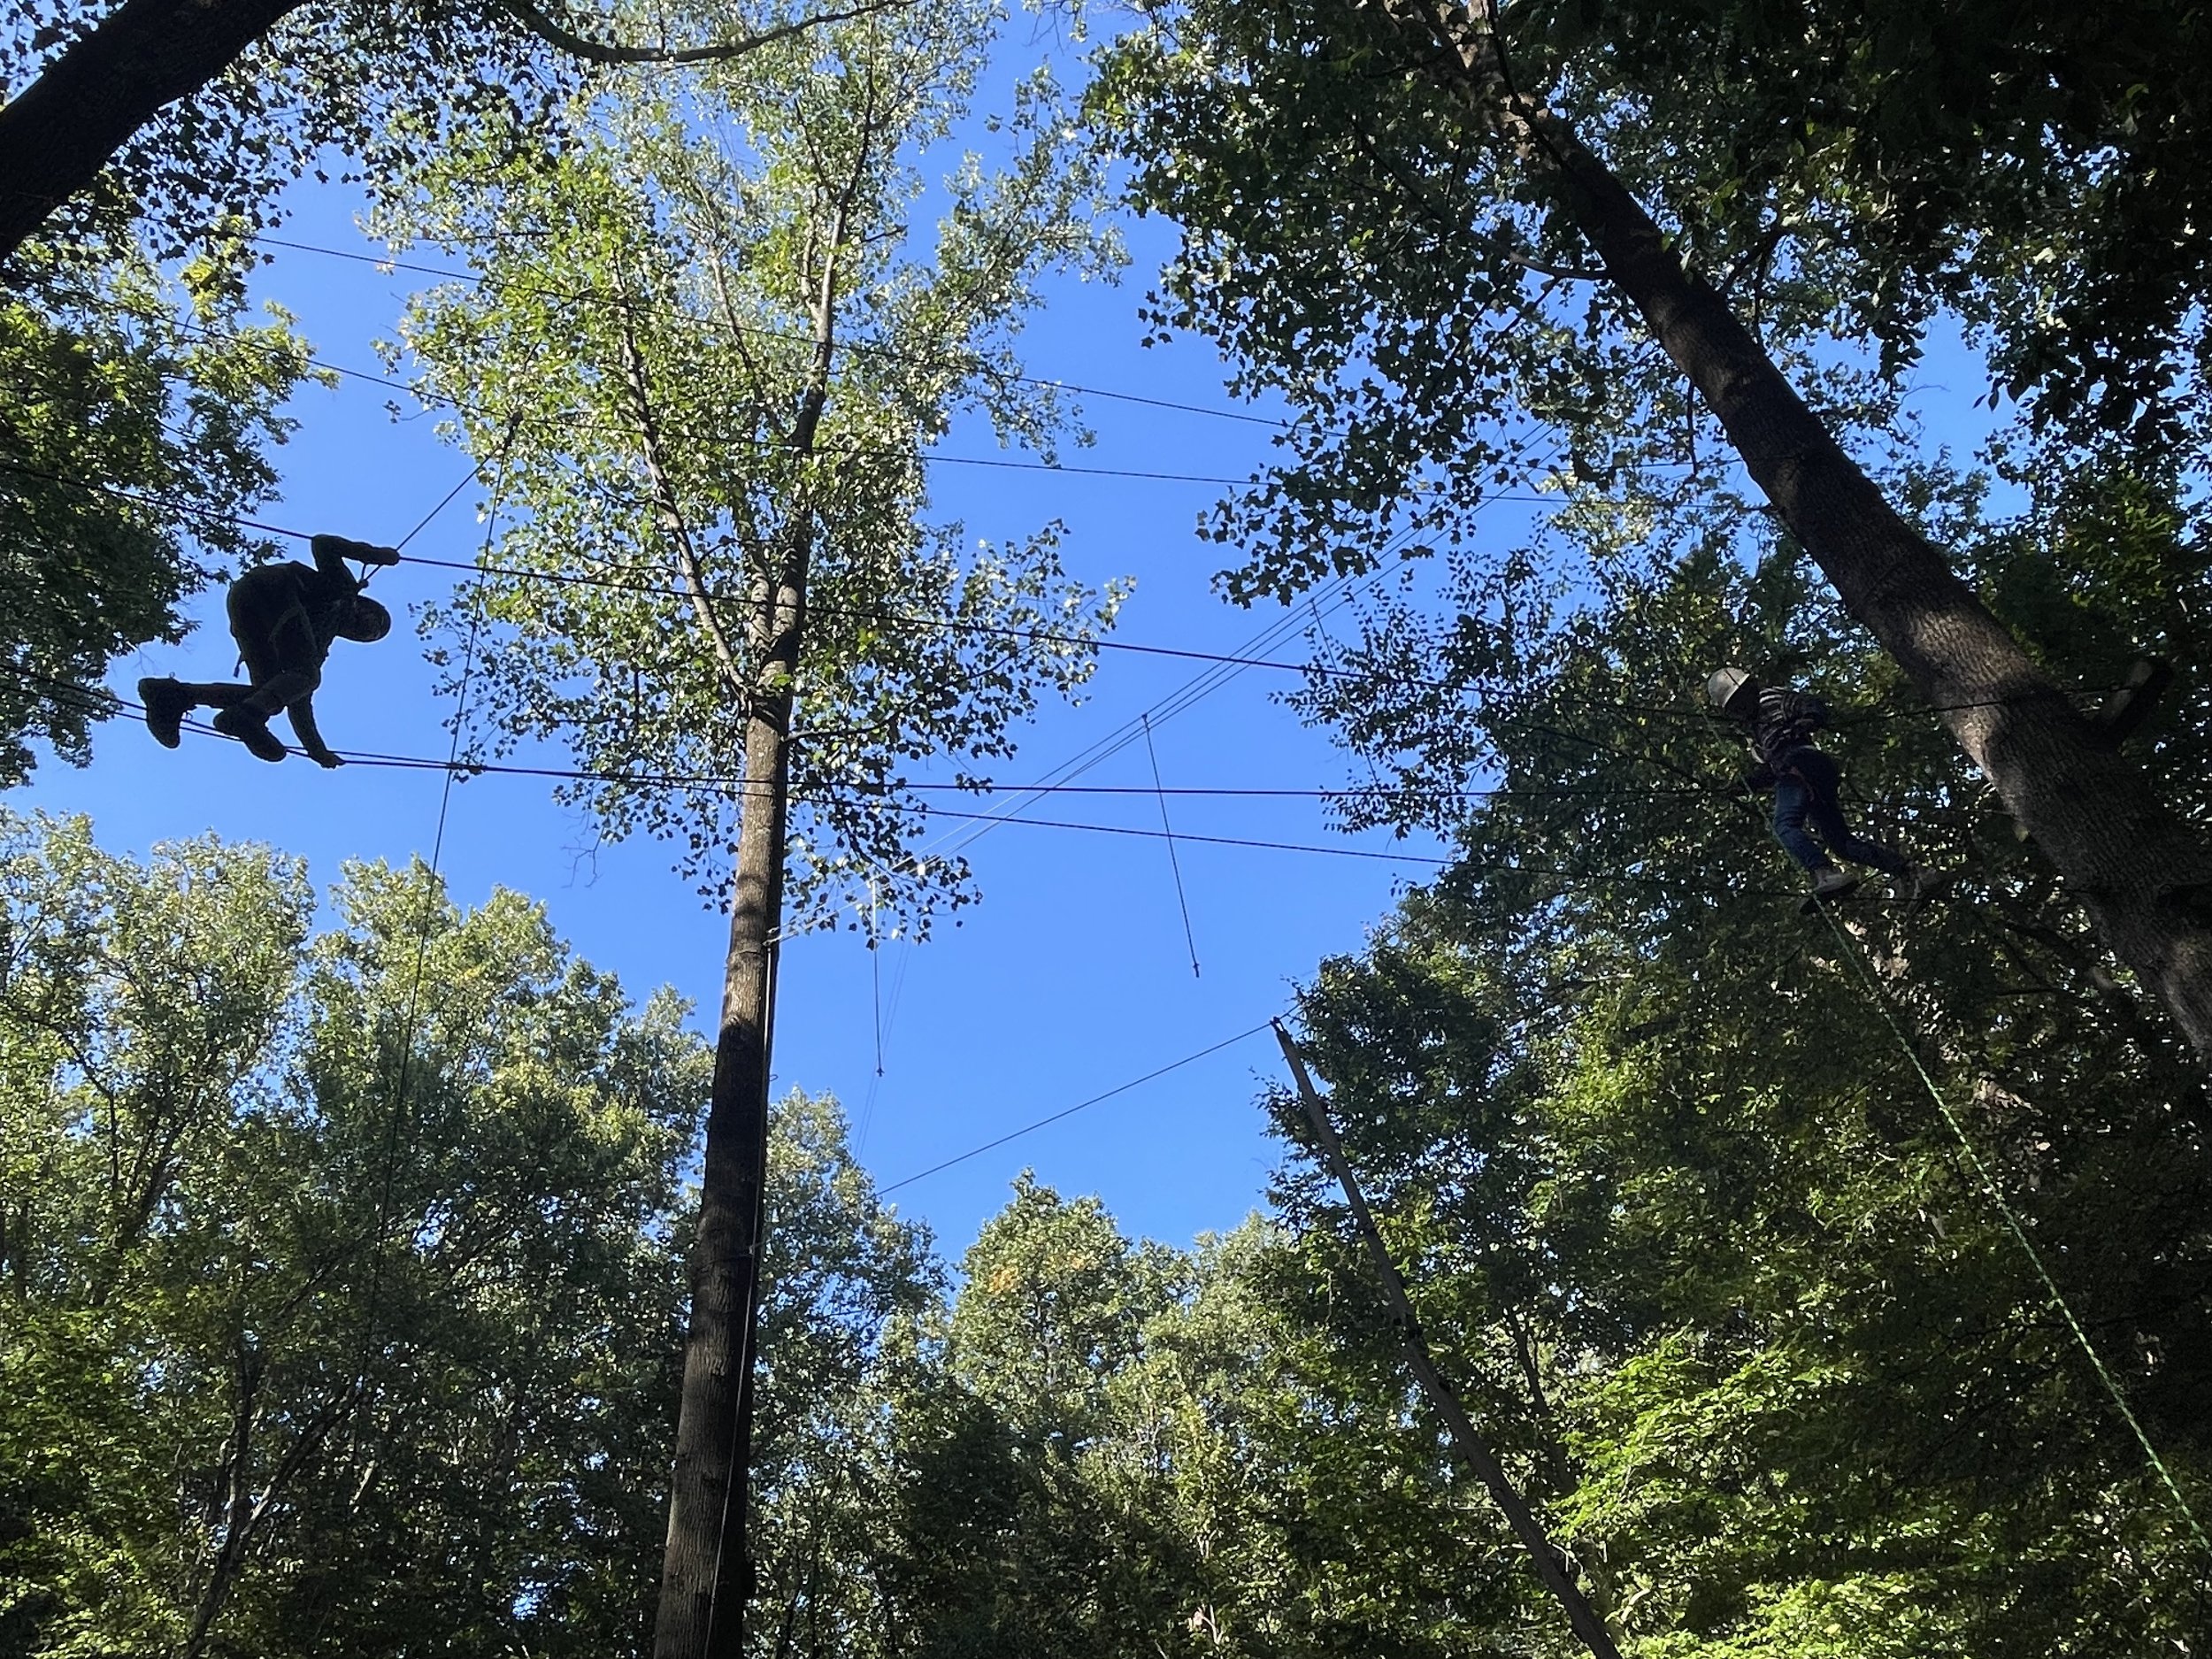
(671, 512)
(556, 35)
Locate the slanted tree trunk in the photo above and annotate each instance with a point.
(707, 1571)
(1599, 1633)
(144, 56)
(2143, 874)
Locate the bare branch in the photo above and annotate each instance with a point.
(556, 35)
(668, 508)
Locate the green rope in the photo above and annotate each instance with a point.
(1865, 970)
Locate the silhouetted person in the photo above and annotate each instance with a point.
(1780, 724)
(284, 617)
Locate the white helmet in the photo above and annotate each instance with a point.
(1732, 691)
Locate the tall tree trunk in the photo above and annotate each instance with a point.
(707, 1572)
(144, 56)
(2143, 874)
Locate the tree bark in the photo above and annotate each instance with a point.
(148, 54)
(707, 1570)
(2143, 874)
(144, 56)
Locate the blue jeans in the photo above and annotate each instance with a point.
(1805, 785)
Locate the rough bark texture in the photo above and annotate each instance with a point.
(2142, 873)
(60, 132)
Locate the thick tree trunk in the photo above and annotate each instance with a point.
(2143, 874)
(144, 56)
(706, 1574)
(707, 1503)
(707, 1571)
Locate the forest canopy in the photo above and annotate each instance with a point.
(1832, 1281)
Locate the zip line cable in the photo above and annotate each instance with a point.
(1865, 971)
(1168, 830)
(481, 280)
(1070, 1111)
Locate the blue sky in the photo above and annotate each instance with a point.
(1072, 976)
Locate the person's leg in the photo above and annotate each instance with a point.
(281, 661)
(1794, 801)
(271, 641)
(213, 694)
(1825, 811)
(1791, 800)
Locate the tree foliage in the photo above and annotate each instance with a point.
(343, 1302)
(136, 416)
(637, 357)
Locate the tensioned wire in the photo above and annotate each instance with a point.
(1984, 1175)
(1567, 876)
(101, 699)
(917, 619)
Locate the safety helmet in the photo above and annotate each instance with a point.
(368, 622)
(1732, 691)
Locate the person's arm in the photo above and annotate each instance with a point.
(332, 551)
(1807, 711)
(303, 713)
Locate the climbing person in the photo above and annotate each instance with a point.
(285, 617)
(1780, 724)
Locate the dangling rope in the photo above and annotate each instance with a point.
(1168, 829)
(1864, 970)
(397, 1116)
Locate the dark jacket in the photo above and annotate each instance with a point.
(262, 598)
(1783, 724)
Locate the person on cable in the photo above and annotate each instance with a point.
(1780, 724)
(285, 617)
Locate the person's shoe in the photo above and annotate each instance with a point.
(253, 731)
(1833, 883)
(167, 703)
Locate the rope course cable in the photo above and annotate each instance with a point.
(1070, 1111)
(109, 702)
(1865, 971)
(1307, 668)
(729, 786)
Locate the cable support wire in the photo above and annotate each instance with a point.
(387, 262)
(109, 702)
(931, 360)
(1185, 696)
(457, 768)
(1987, 1179)
(1070, 1111)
